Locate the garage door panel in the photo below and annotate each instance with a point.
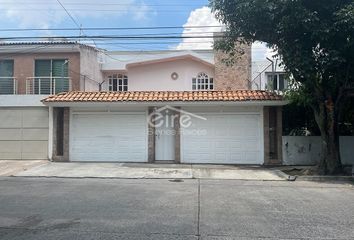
(111, 137)
(10, 146)
(24, 133)
(10, 156)
(10, 119)
(229, 139)
(34, 146)
(35, 119)
(35, 134)
(10, 134)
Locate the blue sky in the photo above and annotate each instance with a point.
(46, 14)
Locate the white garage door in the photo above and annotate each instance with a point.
(23, 133)
(223, 139)
(109, 137)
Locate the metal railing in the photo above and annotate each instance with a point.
(8, 85)
(47, 85)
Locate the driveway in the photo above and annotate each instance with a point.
(145, 170)
(32, 208)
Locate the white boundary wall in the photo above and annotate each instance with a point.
(300, 150)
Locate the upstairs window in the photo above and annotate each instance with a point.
(51, 76)
(118, 83)
(202, 82)
(277, 81)
(7, 83)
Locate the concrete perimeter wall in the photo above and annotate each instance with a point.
(300, 150)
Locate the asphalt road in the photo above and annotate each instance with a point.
(75, 209)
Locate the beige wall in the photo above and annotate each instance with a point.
(236, 76)
(91, 74)
(24, 67)
(157, 76)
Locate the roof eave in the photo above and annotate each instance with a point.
(163, 103)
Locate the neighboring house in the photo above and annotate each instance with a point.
(177, 106)
(28, 73)
(267, 75)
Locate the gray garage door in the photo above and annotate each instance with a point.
(23, 133)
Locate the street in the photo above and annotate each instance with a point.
(54, 208)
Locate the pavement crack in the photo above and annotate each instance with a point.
(198, 216)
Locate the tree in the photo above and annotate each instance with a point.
(315, 40)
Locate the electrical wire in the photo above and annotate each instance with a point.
(107, 28)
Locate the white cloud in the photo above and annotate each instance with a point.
(199, 17)
(51, 14)
(204, 17)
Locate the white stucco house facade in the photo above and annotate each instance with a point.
(154, 106)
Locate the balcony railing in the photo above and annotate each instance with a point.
(8, 85)
(47, 85)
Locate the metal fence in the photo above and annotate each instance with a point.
(47, 85)
(8, 85)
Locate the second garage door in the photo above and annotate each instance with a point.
(24, 133)
(109, 137)
(223, 139)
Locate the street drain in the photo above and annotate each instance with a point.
(176, 180)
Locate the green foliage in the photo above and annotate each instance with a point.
(298, 120)
(314, 38)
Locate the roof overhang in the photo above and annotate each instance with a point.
(164, 103)
(169, 59)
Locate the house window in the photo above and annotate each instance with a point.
(51, 76)
(7, 83)
(118, 82)
(202, 82)
(277, 81)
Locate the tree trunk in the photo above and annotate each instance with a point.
(327, 119)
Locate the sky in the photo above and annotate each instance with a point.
(49, 14)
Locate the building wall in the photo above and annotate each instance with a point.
(157, 77)
(260, 71)
(24, 65)
(91, 74)
(301, 150)
(235, 76)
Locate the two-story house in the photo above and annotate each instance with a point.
(28, 73)
(175, 106)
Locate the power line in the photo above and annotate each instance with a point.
(78, 25)
(106, 28)
(110, 37)
(100, 10)
(109, 4)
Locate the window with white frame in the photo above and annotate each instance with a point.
(202, 82)
(277, 81)
(118, 82)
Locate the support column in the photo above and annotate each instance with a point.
(151, 139)
(61, 123)
(177, 128)
(266, 135)
(280, 135)
(273, 132)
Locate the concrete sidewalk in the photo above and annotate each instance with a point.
(153, 171)
(12, 167)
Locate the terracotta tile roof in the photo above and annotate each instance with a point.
(164, 96)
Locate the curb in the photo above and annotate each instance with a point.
(286, 177)
(326, 178)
